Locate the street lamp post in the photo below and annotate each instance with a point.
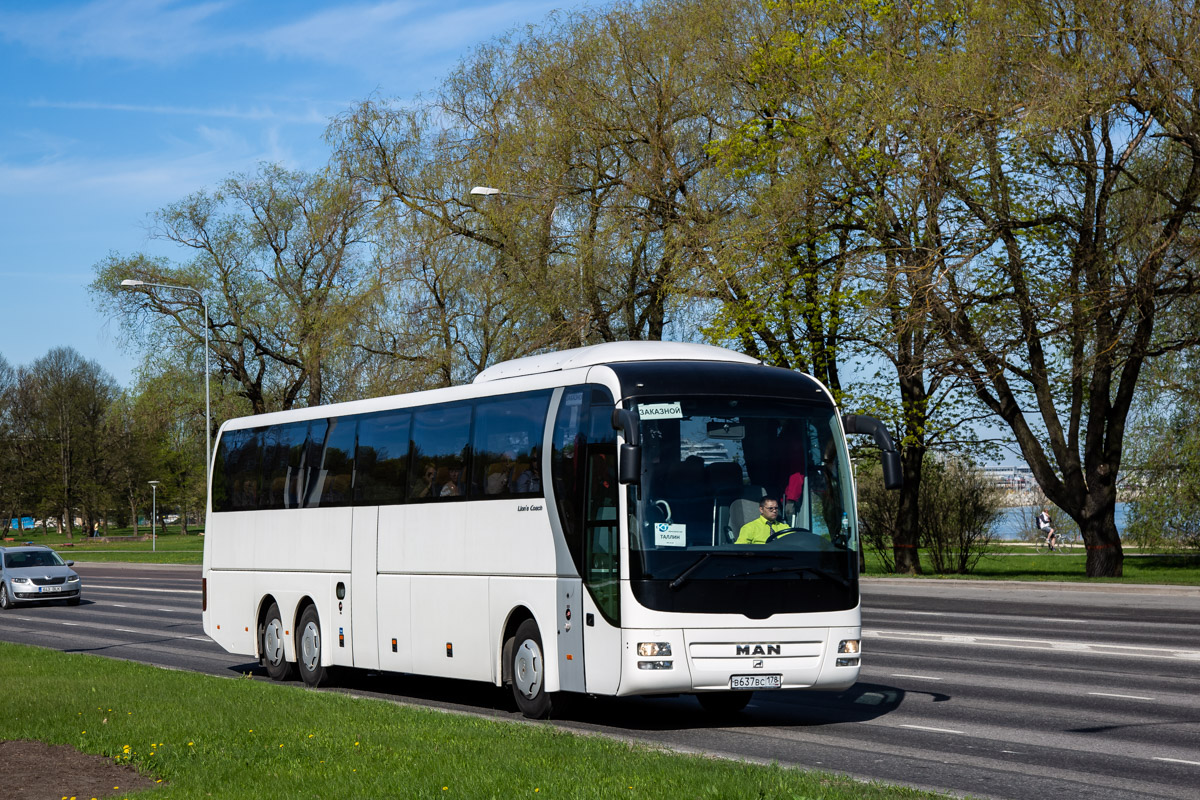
(153, 514)
(133, 282)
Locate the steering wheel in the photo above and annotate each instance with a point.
(666, 508)
(783, 532)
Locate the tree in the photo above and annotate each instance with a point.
(278, 255)
(1085, 178)
(60, 406)
(1162, 481)
(595, 128)
(845, 128)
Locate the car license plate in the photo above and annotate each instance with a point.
(49, 588)
(756, 682)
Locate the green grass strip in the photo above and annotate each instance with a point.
(207, 737)
(1008, 562)
(167, 548)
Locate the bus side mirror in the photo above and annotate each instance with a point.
(630, 461)
(893, 476)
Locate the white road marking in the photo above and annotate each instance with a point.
(918, 677)
(142, 589)
(1178, 761)
(935, 730)
(125, 630)
(1097, 648)
(1122, 696)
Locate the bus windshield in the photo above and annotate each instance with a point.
(733, 488)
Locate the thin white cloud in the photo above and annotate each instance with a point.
(310, 116)
(363, 36)
(134, 30)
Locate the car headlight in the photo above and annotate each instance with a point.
(73, 578)
(22, 580)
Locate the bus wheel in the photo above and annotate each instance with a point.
(270, 644)
(529, 672)
(723, 703)
(308, 648)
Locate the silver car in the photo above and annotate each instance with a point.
(36, 573)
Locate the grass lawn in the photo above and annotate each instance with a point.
(1008, 561)
(167, 548)
(205, 737)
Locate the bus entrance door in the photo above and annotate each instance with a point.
(602, 574)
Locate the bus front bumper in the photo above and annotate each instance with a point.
(688, 660)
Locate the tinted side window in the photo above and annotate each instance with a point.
(382, 461)
(441, 449)
(507, 446)
(237, 471)
(332, 478)
(284, 465)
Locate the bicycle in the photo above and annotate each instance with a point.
(1064, 543)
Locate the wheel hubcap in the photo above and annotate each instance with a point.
(310, 646)
(273, 642)
(527, 668)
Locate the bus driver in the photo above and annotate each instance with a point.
(757, 531)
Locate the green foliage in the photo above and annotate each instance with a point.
(1163, 475)
(958, 508)
(878, 511)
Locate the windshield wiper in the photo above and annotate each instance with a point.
(824, 573)
(683, 576)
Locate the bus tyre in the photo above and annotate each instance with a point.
(529, 672)
(723, 703)
(270, 645)
(308, 648)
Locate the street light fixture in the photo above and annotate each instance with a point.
(133, 282)
(488, 191)
(153, 514)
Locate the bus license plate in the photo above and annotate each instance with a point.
(756, 682)
(49, 588)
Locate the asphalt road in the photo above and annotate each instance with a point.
(991, 690)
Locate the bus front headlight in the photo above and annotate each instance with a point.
(654, 648)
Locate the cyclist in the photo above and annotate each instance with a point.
(1043, 523)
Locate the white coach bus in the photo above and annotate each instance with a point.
(566, 523)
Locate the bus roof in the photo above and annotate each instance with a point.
(609, 353)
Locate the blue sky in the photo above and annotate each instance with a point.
(112, 109)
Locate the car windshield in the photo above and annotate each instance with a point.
(37, 558)
(742, 488)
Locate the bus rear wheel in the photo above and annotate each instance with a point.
(723, 703)
(308, 648)
(270, 644)
(529, 672)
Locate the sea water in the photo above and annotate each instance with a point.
(1017, 522)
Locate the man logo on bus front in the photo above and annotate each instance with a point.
(758, 650)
